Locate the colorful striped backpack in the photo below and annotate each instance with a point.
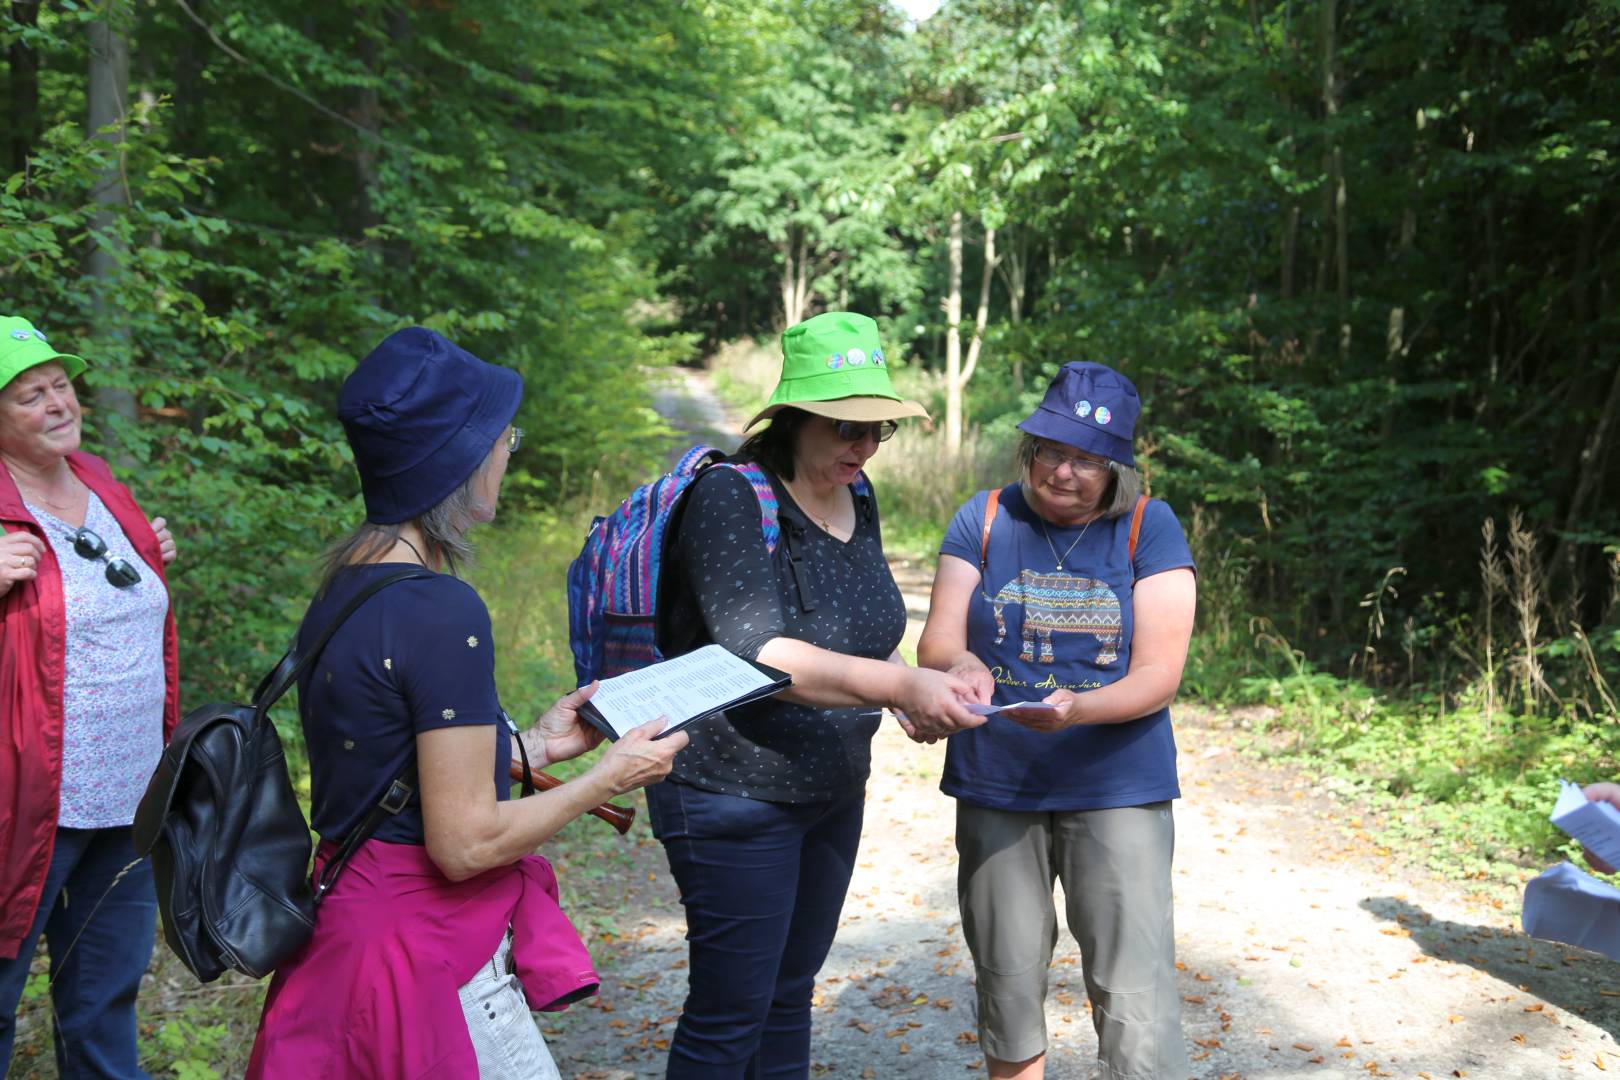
(613, 583)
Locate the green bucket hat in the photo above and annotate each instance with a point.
(23, 347)
(832, 365)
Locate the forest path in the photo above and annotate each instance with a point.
(1306, 949)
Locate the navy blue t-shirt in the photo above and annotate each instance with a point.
(416, 656)
(1040, 629)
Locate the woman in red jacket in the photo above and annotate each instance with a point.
(88, 694)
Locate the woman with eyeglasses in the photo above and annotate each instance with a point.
(442, 931)
(1072, 590)
(761, 815)
(89, 692)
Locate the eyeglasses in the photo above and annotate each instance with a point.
(514, 440)
(857, 431)
(1053, 457)
(87, 545)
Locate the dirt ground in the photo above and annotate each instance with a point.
(1305, 950)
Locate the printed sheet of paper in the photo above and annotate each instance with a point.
(991, 710)
(683, 689)
(1595, 824)
(1569, 905)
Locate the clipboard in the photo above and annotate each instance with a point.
(685, 689)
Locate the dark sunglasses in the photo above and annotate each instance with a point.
(856, 430)
(87, 545)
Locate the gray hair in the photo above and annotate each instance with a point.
(1124, 482)
(443, 528)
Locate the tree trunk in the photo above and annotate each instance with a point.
(108, 91)
(1589, 476)
(24, 63)
(190, 88)
(953, 337)
(1290, 245)
(1335, 171)
(1014, 270)
(795, 277)
(981, 317)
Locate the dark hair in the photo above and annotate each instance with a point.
(773, 445)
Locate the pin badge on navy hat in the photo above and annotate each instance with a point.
(1088, 406)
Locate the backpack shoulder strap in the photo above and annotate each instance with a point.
(991, 505)
(1136, 532)
(770, 511)
(770, 523)
(291, 665)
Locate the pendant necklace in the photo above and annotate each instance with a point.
(1059, 558)
(825, 523)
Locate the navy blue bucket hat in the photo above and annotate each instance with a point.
(1090, 407)
(421, 415)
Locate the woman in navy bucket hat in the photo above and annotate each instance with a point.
(443, 931)
(1072, 589)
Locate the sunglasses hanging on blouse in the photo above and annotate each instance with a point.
(87, 545)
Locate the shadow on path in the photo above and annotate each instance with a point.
(1534, 966)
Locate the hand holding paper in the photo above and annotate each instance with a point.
(685, 689)
(992, 710)
(1596, 824)
(1564, 903)
(1608, 794)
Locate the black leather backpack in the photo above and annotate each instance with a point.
(229, 845)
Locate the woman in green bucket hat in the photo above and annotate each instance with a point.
(761, 815)
(89, 682)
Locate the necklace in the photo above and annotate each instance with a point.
(412, 546)
(1056, 557)
(36, 494)
(824, 521)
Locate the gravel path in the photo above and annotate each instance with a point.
(1306, 950)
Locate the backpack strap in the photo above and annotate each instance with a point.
(395, 797)
(770, 523)
(287, 670)
(1136, 531)
(770, 510)
(991, 505)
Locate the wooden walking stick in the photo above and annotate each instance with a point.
(620, 817)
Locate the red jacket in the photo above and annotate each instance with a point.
(32, 661)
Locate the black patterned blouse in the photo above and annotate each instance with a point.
(731, 591)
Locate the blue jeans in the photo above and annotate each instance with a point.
(100, 944)
(763, 884)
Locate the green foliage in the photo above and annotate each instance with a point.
(311, 181)
(187, 1049)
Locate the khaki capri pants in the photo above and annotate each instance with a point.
(1115, 869)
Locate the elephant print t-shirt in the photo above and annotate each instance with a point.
(1039, 627)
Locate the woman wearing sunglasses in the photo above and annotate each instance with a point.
(88, 694)
(1071, 589)
(761, 815)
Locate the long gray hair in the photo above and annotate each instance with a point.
(1124, 482)
(443, 528)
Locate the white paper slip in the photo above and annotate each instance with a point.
(1566, 904)
(991, 710)
(1595, 824)
(686, 688)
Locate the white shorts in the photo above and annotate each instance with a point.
(504, 1035)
